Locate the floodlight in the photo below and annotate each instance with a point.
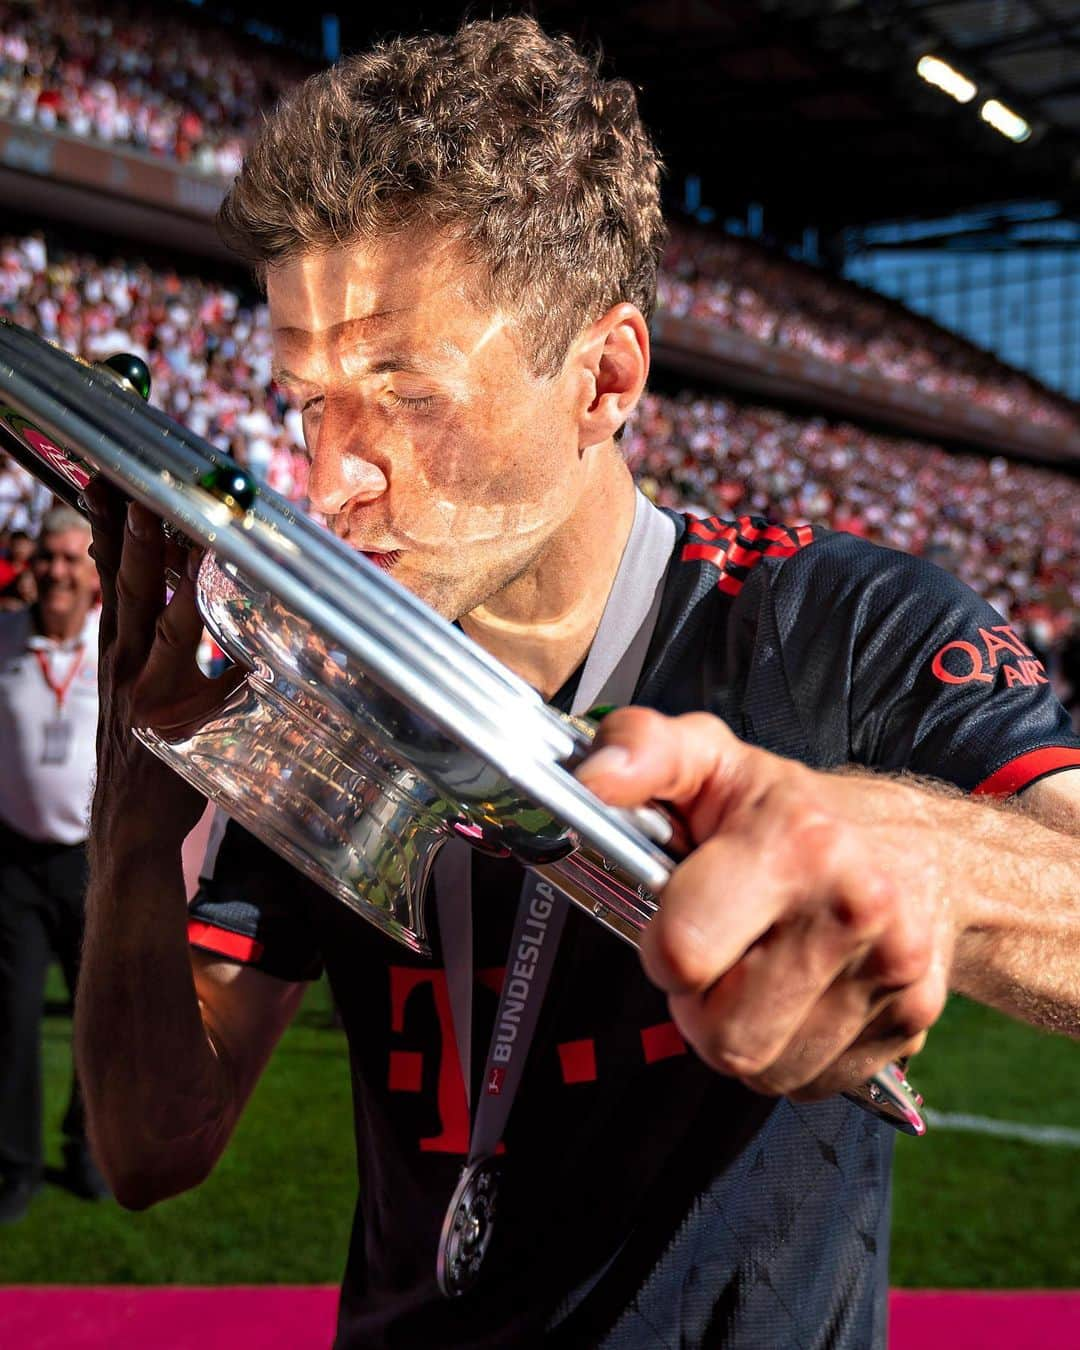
(942, 76)
(1006, 121)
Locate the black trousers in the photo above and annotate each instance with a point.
(42, 888)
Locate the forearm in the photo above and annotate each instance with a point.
(1009, 880)
(1018, 948)
(157, 1091)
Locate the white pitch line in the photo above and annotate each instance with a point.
(1060, 1135)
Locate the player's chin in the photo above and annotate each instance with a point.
(436, 591)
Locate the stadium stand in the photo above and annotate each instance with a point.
(111, 73)
(176, 90)
(127, 75)
(1006, 528)
(738, 284)
(208, 350)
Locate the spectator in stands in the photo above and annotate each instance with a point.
(48, 724)
(147, 80)
(16, 572)
(22, 500)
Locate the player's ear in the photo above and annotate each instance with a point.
(612, 356)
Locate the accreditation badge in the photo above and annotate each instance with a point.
(58, 736)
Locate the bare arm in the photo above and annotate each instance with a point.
(168, 1046)
(816, 929)
(1019, 950)
(170, 1041)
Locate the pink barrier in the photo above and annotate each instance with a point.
(121, 1317)
(961, 1319)
(283, 1317)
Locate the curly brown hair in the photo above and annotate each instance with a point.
(500, 136)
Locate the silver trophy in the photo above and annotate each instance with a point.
(367, 730)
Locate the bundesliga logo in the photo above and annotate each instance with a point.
(519, 983)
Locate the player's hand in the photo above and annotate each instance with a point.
(148, 673)
(807, 939)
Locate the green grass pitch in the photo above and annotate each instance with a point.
(969, 1211)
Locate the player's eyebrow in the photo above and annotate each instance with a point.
(403, 363)
(394, 362)
(286, 378)
(338, 330)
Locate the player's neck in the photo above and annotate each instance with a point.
(60, 626)
(543, 624)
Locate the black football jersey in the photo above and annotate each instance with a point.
(647, 1200)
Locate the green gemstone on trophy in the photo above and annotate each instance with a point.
(230, 485)
(600, 711)
(132, 370)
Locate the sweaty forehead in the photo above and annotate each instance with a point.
(404, 284)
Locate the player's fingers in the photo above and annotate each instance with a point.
(106, 509)
(778, 858)
(868, 1055)
(786, 1009)
(721, 902)
(172, 689)
(841, 1046)
(640, 754)
(140, 587)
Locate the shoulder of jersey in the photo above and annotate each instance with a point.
(734, 547)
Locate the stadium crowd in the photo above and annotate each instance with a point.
(740, 285)
(1008, 530)
(208, 352)
(128, 75)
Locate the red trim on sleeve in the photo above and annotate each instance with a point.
(220, 940)
(1024, 769)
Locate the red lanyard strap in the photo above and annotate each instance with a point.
(44, 661)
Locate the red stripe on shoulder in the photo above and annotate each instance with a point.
(1022, 771)
(220, 940)
(740, 543)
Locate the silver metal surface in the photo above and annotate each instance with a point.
(367, 728)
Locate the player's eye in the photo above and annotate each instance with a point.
(400, 401)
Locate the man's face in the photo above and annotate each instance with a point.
(22, 548)
(67, 580)
(433, 446)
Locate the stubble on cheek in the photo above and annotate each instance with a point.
(475, 493)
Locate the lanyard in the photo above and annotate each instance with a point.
(44, 660)
(612, 669)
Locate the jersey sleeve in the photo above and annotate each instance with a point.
(250, 908)
(928, 677)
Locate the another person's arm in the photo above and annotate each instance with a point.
(169, 1042)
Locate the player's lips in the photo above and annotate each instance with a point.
(384, 560)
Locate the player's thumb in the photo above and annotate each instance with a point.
(640, 754)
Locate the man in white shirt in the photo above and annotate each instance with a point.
(48, 724)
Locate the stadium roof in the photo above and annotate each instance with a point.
(811, 107)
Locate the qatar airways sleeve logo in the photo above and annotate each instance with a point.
(963, 662)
